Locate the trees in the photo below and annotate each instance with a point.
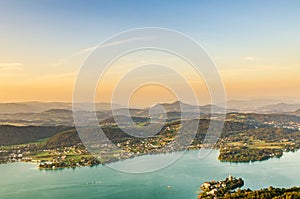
(269, 193)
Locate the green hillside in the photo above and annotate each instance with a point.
(11, 135)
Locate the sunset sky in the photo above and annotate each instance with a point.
(254, 44)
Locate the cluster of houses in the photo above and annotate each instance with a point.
(14, 154)
(285, 125)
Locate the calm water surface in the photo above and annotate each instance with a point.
(178, 181)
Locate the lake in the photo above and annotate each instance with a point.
(177, 181)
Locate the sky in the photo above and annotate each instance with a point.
(254, 44)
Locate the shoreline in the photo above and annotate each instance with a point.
(151, 154)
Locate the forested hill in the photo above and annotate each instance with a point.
(63, 139)
(10, 135)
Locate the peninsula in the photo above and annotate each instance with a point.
(230, 188)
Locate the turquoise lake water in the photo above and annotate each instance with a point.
(179, 181)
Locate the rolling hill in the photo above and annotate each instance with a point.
(10, 135)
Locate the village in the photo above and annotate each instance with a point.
(77, 155)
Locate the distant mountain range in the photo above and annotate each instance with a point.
(25, 122)
(178, 106)
(262, 106)
(62, 109)
(35, 107)
(279, 108)
(297, 113)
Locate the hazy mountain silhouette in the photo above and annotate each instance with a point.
(34, 107)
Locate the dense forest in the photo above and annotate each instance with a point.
(11, 135)
(268, 193)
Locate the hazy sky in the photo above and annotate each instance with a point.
(255, 44)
